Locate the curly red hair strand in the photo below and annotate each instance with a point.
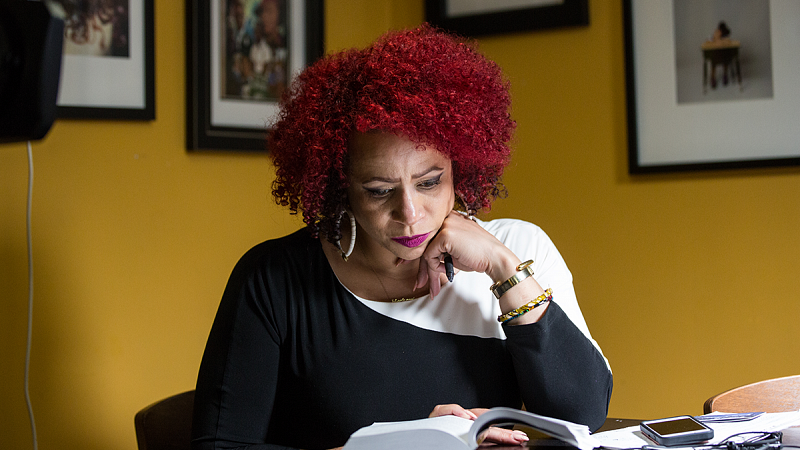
(432, 87)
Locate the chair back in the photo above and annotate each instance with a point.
(775, 395)
(166, 424)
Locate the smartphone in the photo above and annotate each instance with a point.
(676, 431)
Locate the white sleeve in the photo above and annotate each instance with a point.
(528, 241)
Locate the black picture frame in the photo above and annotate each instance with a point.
(566, 13)
(667, 134)
(203, 132)
(113, 88)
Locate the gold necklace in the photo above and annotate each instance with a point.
(393, 300)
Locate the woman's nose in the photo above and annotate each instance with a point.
(409, 211)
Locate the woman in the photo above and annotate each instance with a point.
(352, 320)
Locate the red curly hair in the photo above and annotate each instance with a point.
(432, 87)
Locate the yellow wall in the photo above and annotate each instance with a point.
(687, 281)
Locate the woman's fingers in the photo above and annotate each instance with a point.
(478, 411)
(428, 275)
(452, 410)
(490, 435)
(499, 435)
(502, 436)
(471, 247)
(434, 282)
(456, 233)
(422, 274)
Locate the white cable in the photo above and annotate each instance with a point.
(30, 297)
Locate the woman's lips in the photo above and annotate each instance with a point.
(411, 241)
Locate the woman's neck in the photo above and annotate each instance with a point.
(374, 273)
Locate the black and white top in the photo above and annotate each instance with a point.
(295, 360)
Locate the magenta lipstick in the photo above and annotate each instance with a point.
(411, 241)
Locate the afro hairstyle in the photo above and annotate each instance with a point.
(424, 84)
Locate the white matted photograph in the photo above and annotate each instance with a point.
(107, 69)
(713, 84)
(241, 56)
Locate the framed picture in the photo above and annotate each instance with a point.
(479, 17)
(712, 85)
(108, 68)
(241, 56)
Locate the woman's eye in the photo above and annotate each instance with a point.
(377, 193)
(432, 183)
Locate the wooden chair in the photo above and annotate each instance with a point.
(166, 424)
(776, 395)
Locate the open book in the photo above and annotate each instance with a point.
(456, 433)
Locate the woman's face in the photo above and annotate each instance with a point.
(399, 194)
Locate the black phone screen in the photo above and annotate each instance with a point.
(682, 425)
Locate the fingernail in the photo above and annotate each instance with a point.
(520, 435)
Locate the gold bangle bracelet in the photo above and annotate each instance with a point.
(524, 270)
(538, 301)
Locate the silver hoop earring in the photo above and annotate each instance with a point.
(346, 254)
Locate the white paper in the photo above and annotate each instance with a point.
(631, 437)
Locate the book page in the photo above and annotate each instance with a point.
(444, 432)
(572, 433)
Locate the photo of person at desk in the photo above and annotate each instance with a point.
(721, 50)
(387, 152)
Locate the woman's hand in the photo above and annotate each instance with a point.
(472, 248)
(492, 435)
(454, 410)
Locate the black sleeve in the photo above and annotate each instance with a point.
(238, 373)
(560, 372)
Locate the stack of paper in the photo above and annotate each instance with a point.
(631, 437)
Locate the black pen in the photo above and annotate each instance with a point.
(448, 267)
